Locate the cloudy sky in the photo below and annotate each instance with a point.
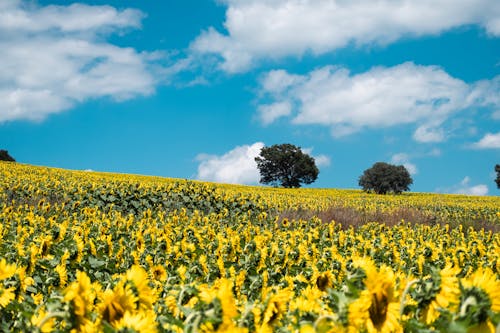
(195, 88)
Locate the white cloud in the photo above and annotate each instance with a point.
(269, 113)
(237, 166)
(319, 160)
(485, 93)
(404, 159)
(17, 17)
(278, 81)
(434, 152)
(56, 56)
(489, 141)
(258, 29)
(322, 160)
(428, 134)
(465, 188)
(425, 96)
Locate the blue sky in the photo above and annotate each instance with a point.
(194, 88)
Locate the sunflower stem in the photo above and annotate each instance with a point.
(190, 327)
(244, 315)
(403, 296)
(193, 324)
(49, 316)
(465, 305)
(181, 295)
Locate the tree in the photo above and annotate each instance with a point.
(4, 156)
(385, 178)
(497, 170)
(286, 165)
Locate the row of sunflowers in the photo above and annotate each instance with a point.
(96, 252)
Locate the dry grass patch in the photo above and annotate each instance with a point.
(351, 217)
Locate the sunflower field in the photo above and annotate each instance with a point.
(98, 252)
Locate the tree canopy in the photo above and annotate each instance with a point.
(4, 156)
(497, 170)
(286, 165)
(383, 178)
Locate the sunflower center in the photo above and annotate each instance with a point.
(158, 274)
(322, 282)
(113, 312)
(378, 309)
(44, 248)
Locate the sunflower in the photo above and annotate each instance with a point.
(322, 280)
(20, 247)
(182, 272)
(33, 258)
(170, 327)
(228, 303)
(140, 282)
(159, 273)
(202, 260)
(173, 308)
(116, 302)
(362, 267)
(63, 227)
(81, 295)
(79, 247)
(240, 280)
(37, 298)
(48, 325)
(140, 244)
(275, 308)
(24, 280)
(44, 247)
(7, 295)
(448, 293)
(481, 293)
(6, 270)
(62, 273)
(308, 301)
(377, 308)
(141, 322)
(222, 291)
(93, 250)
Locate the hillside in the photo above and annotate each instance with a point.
(135, 194)
(103, 252)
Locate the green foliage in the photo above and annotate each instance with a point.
(497, 170)
(132, 198)
(383, 178)
(286, 165)
(4, 156)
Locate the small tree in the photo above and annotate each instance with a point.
(4, 156)
(385, 178)
(497, 170)
(286, 165)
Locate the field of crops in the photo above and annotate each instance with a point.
(96, 252)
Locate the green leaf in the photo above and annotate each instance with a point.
(95, 263)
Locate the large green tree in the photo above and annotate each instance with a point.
(286, 165)
(4, 156)
(497, 170)
(383, 178)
